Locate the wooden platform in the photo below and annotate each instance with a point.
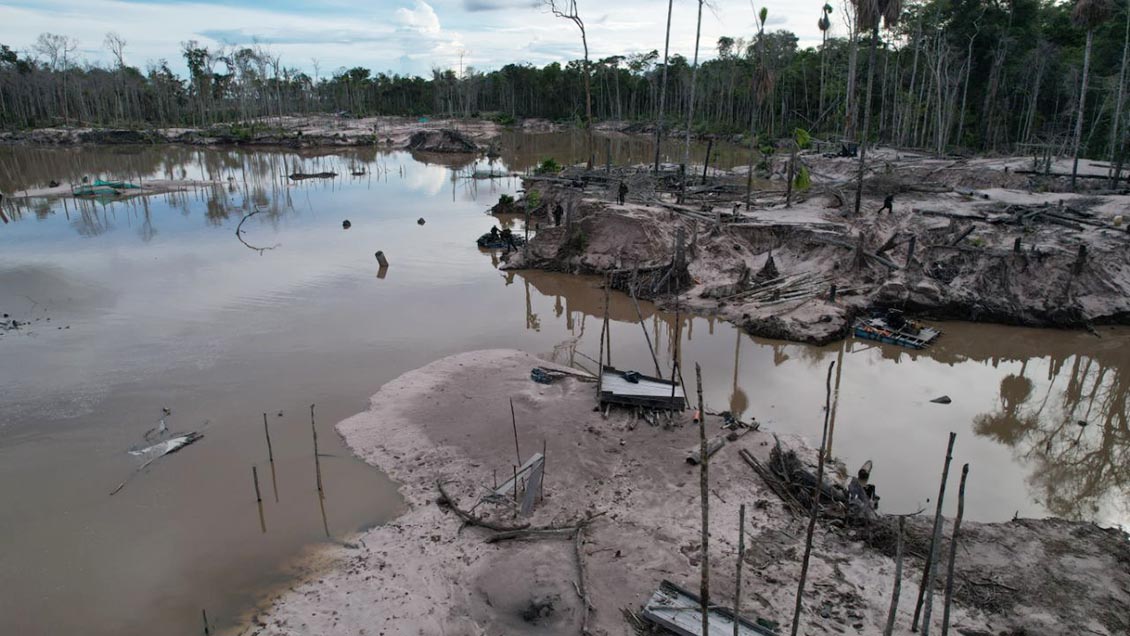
(649, 392)
(680, 612)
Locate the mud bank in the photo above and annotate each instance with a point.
(426, 573)
(968, 239)
(293, 132)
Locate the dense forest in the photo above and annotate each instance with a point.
(987, 75)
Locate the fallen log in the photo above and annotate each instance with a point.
(713, 446)
(470, 519)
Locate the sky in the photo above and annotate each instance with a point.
(401, 36)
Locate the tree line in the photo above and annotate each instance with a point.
(981, 75)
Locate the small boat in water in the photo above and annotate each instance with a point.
(491, 241)
(892, 328)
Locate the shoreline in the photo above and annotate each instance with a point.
(979, 241)
(290, 131)
(423, 573)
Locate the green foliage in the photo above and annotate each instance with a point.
(505, 200)
(506, 119)
(577, 242)
(802, 180)
(533, 199)
(548, 166)
(802, 138)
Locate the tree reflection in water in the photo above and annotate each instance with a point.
(1076, 437)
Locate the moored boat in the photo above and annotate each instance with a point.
(892, 328)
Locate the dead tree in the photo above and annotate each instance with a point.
(568, 9)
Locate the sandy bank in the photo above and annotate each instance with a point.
(968, 239)
(308, 131)
(425, 574)
(147, 188)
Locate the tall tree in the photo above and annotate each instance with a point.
(663, 87)
(1088, 14)
(825, 23)
(1120, 102)
(694, 83)
(868, 14)
(568, 9)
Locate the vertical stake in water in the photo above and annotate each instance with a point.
(207, 631)
(255, 477)
(514, 423)
(317, 462)
(267, 432)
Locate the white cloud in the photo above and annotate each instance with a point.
(422, 18)
(404, 36)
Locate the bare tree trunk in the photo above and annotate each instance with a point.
(1120, 102)
(694, 82)
(663, 87)
(866, 121)
(1082, 106)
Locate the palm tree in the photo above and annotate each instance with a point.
(663, 87)
(761, 85)
(824, 24)
(868, 14)
(1089, 14)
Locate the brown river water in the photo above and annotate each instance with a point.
(141, 305)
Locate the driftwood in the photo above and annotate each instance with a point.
(545, 532)
(470, 519)
(582, 591)
(713, 446)
(167, 447)
(300, 176)
(771, 480)
(239, 234)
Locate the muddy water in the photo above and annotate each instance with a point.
(161, 306)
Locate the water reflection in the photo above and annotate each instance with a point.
(1076, 438)
(165, 305)
(1067, 468)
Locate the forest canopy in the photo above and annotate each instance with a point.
(948, 74)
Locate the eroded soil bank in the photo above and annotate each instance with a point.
(291, 131)
(970, 239)
(426, 574)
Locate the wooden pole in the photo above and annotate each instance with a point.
(646, 336)
(207, 630)
(515, 484)
(889, 629)
(926, 587)
(815, 503)
(600, 364)
(953, 550)
(541, 486)
(317, 462)
(704, 479)
(675, 355)
(607, 327)
(706, 163)
(514, 423)
(741, 556)
(267, 432)
(255, 477)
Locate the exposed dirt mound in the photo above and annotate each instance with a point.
(445, 140)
